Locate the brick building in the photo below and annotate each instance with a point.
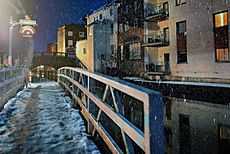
(131, 36)
(68, 35)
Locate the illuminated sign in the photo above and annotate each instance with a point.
(28, 22)
(27, 31)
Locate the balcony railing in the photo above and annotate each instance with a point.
(157, 12)
(156, 39)
(162, 67)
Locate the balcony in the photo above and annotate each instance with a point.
(157, 12)
(157, 39)
(157, 67)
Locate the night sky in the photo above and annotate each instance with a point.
(50, 14)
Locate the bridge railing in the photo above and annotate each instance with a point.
(129, 118)
(44, 56)
(55, 54)
(11, 80)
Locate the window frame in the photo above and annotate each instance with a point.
(178, 2)
(136, 23)
(81, 34)
(179, 52)
(70, 33)
(214, 29)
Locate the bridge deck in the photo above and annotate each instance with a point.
(42, 120)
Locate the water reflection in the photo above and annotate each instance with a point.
(196, 127)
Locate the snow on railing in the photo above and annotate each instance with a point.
(123, 114)
(11, 80)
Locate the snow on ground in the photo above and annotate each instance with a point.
(41, 119)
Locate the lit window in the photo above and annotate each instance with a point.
(224, 132)
(70, 42)
(221, 37)
(81, 34)
(70, 33)
(221, 19)
(222, 54)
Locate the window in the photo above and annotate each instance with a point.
(127, 9)
(100, 17)
(168, 110)
(166, 34)
(221, 19)
(168, 137)
(126, 25)
(135, 24)
(184, 134)
(70, 42)
(135, 51)
(70, 33)
(122, 52)
(135, 6)
(180, 2)
(222, 54)
(121, 28)
(84, 51)
(181, 42)
(111, 12)
(223, 139)
(166, 7)
(221, 37)
(112, 49)
(81, 34)
(112, 28)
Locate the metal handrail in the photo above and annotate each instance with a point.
(157, 37)
(157, 9)
(157, 66)
(150, 140)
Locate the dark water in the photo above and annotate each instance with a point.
(42, 120)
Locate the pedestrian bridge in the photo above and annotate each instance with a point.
(125, 117)
(56, 60)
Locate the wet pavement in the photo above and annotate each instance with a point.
(41, 119)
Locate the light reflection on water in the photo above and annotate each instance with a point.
(42, 120)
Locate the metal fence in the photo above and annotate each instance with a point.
(11, 80)
(128, 118)
(158, 67)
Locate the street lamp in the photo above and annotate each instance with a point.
(12, 24)
(27, 31)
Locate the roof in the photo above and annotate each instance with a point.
(71, 25)
(109, 3)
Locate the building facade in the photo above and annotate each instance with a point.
(131, 36)
(68, 35)
(99, 51)
(51, 47)
(175, 39)
(156, 39)
(199, 37)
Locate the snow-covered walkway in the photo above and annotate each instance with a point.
(41, 119)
